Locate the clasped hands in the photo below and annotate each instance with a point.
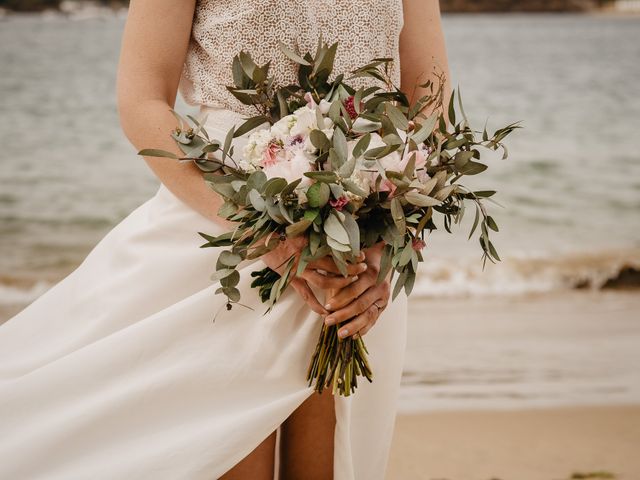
(357, 300)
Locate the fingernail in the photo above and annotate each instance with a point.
(343, 333)
(328, 306)
(328, 320)
(354, 279)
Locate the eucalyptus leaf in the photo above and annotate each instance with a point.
(318, 195)
(398, 118)
(292, 55)
(336, 230)
(472, 168)
(353, 188)
(421, 200)
(229, 259)
(461, 158)
(398, 214)
(361, 145)
(353, 230)
(444, 192)
(340, 144)
(429, 185)
(220, 274)
(311, 214)
(335, 245)
(362, 125)
(298, 228)
(319, 140)
(385, 263)
(250, 124)
(492, 224)
(399, 284)
(153, 152)
(273, 186)
(346, 170)
(405, 256)
(257, 180)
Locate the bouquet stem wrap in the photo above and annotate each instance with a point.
(337, 363)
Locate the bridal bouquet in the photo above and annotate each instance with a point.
(345, 168)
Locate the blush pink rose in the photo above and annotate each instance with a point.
(340, 203)
(270, 156)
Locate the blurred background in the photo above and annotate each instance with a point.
(552, 328)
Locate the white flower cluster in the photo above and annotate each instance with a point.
(285, 150)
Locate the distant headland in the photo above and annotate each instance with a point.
(496, 6)
(59, 5)
(448, 6)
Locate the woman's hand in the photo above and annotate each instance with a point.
(363, 300)
(311, 276)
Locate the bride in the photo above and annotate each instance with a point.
(118, 371)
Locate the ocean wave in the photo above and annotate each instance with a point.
(521, 274)
(460, 277)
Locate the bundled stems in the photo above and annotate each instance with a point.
(337, 363)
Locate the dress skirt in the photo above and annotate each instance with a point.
(119, 371)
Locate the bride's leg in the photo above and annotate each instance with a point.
(306, 442)
(258, 465)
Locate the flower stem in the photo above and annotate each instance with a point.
(337, 363)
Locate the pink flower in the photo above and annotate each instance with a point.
(351, 109)
(418, 244)
(387, 185)
(340, 203)
(270, 154)
(309, 99)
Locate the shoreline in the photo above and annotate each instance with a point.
(529, 444)
(542, 350)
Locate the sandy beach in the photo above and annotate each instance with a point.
(541, 444)
(500, 384)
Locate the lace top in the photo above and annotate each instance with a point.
(365, 29)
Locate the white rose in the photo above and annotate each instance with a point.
(246, 166)
(305, 121)
(299, 163)
(282, 128)
(257, 143)
(361, 180)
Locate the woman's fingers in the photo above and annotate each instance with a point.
(361, 322)
(345, 296)
(308, 296)
(364, 330)
(358, 306)
(327, 282)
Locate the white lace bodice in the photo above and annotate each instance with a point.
(365, 29)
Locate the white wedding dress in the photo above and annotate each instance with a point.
(119, 372)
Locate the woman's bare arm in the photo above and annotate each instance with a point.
(423, 53)
(154, 47)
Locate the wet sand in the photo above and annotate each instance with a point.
(543, 444)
